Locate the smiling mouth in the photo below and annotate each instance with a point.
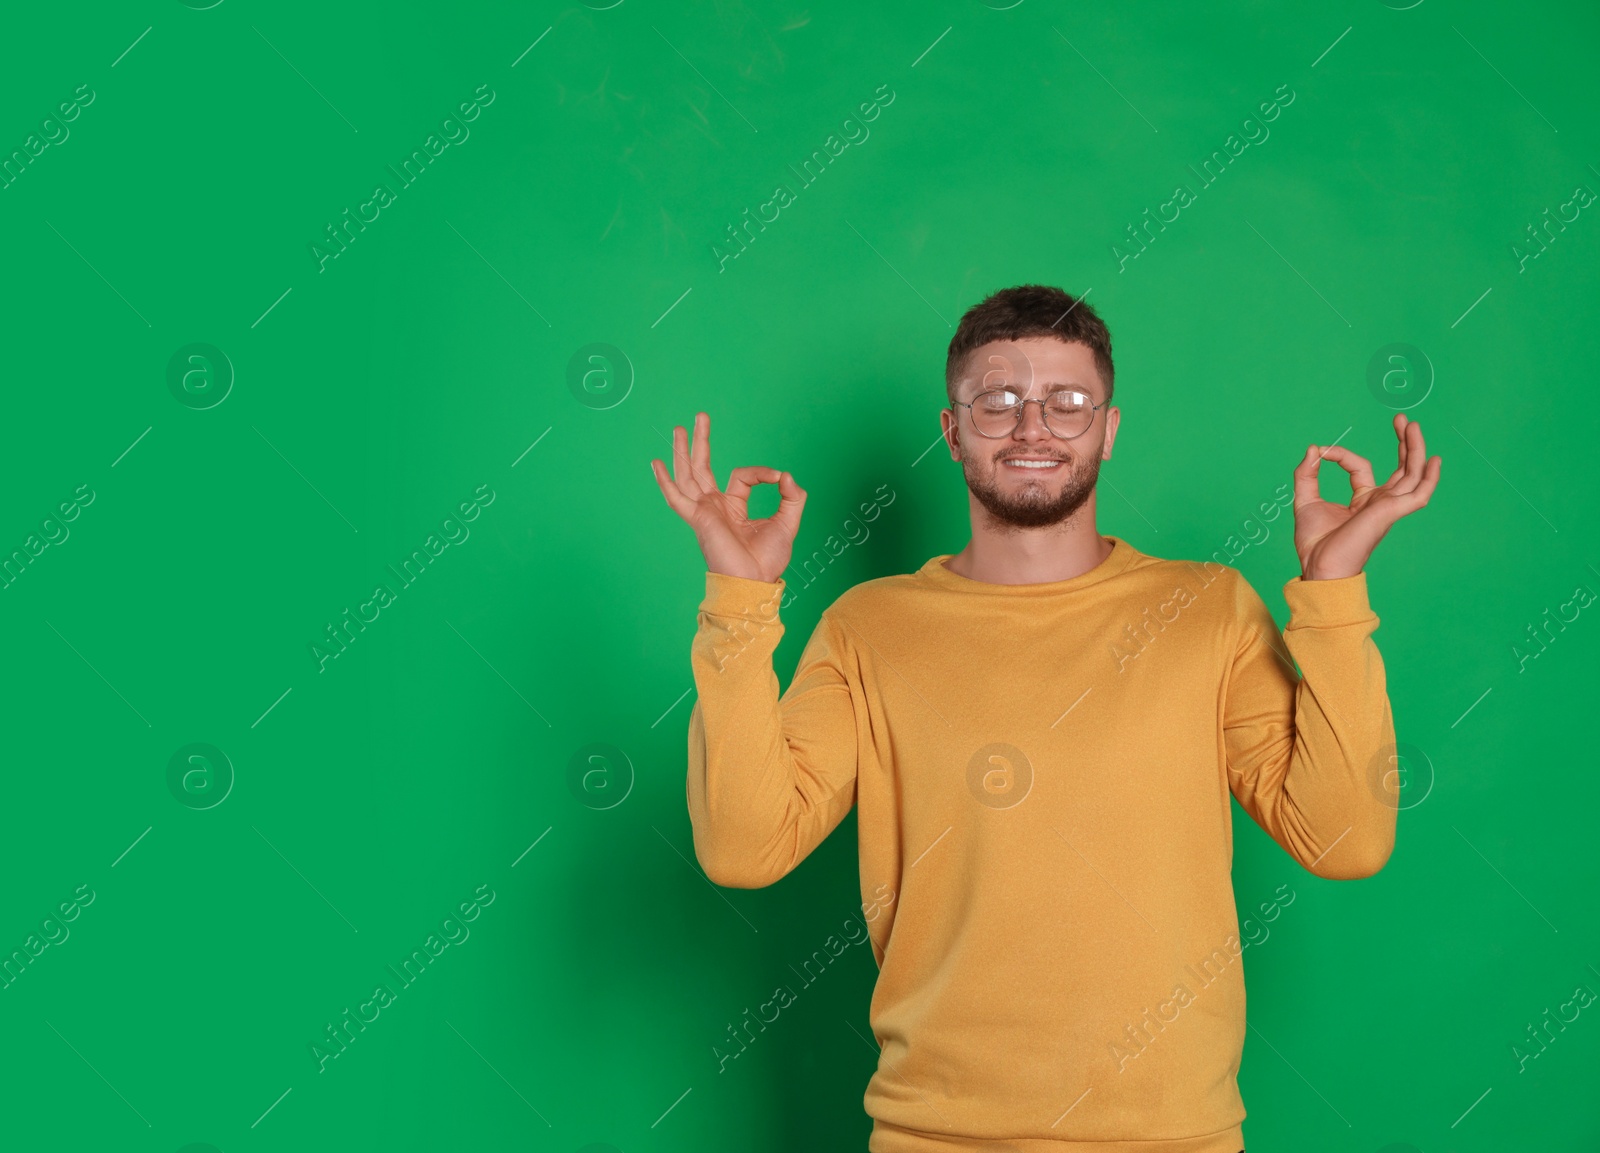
(1026, 464)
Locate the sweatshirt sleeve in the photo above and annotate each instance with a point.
(769, 777)
(1308, 752)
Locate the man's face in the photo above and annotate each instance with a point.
(1018, 495)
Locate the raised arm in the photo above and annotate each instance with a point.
(769, 777)
(1309, 758)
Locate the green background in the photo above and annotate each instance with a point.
(371, 398)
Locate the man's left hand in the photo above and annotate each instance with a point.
(1335, 541)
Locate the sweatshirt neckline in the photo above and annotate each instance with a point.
(1122, 554)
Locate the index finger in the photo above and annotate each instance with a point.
(674, 496)
(700, 450)
(1359, 467)
(741, 480)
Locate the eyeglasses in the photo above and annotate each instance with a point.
(997, 412)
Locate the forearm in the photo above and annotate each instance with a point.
(1309, 754)
(1343, 808)
(760, 796)
(736, 801)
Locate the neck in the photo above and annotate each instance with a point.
(1003, 554)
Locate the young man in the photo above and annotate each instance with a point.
(1042, 732)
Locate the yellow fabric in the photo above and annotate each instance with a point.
(1042, 775)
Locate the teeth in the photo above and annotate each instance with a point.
(1033, 463)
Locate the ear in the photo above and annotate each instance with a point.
(951, 431)
(1113, 416)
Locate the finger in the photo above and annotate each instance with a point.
(1305, 478)
(700, 452)
(1359, 468)
(1430, 479)
(791, 502)
(682, 470)
(1418, 497)
(1409, 471)
(1401, 420)
(741, 480)
(1414, 458)
(675, 499)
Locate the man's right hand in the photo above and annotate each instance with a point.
(733, 544)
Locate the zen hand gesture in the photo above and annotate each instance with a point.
(732, 543)
(1334, 541)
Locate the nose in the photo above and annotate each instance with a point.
(1031, 427)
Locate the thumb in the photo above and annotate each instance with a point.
(791, 501)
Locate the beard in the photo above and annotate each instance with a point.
(1035, 504)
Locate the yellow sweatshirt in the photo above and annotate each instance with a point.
(1042, 773)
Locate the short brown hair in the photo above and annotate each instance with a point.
(1029, 310)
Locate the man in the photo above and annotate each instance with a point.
(1042, 732)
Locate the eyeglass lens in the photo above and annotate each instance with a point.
(997, 412)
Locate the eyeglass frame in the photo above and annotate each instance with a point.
(1022, 408)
